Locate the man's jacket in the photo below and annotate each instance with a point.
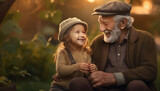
(141, 56)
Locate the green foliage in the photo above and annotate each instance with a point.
(9, 25)
(52, 16)
(33, 85)
(37, 58)
(155, 27)
(27, 61)
(57, 17)
(9, 58)
(14, 16)
(4, 81)
(11, 46)
(40, 38)
(2, 0)
(51, 13)
(20, 59)
(31, 60)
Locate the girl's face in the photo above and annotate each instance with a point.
(78, 35)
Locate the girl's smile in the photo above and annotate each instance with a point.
(78, 35)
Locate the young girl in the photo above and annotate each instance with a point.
(73, 55)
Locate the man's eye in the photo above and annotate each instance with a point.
(105, 24)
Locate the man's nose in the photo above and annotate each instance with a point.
(102, 28)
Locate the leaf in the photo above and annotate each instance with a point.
(7, 27)
(10, 26)
(2, 37)
(12, 45)
(24, 73)
(17, 28)
(14, 16)
(53, 16)
(57, 17)
(40, 38)
(4, 81)
(42, 15)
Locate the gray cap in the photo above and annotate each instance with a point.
(113, 8)
(66, 24)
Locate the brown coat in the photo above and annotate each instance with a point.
(141, 56)
(65, 70)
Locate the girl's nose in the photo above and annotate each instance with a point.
(82, 34)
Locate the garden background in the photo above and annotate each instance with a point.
(29, 30)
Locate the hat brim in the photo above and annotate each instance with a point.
(103, 13)
(109, 14)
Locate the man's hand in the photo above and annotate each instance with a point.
(84, 67)
(100, 78)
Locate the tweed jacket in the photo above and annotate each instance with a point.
(141, 56)
(68, 71)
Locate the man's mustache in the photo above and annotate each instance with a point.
(107, 32)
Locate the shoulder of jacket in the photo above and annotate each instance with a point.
(144, 34)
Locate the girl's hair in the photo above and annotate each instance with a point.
(66, 43)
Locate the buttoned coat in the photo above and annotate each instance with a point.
(141, 56)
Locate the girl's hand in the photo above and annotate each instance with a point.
(93, 68)
(84, 67)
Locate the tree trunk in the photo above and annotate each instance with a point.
(4, 6)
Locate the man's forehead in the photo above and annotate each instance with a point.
(105, 18)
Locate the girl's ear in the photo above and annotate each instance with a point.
(123, 23)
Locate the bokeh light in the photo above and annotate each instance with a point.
(147, 4)
(91, 1)
(144, 9)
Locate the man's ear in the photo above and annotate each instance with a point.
(123, 23)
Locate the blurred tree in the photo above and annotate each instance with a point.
(50, 12)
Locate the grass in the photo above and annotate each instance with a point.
(33, 86)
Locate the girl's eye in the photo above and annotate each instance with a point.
(77, 31)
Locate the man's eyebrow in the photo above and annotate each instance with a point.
(104, 21)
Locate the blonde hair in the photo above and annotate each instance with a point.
(66, 43)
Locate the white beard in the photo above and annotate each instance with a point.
(115, 34)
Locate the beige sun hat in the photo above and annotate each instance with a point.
(67, 23)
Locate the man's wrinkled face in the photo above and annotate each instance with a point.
(110, 28)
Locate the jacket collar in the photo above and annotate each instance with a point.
(133, 35)
(132, 38)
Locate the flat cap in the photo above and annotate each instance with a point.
(113, 8)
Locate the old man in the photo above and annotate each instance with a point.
(126, 57)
